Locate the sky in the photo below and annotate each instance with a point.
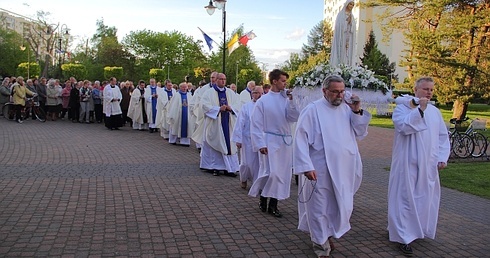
(281, 26)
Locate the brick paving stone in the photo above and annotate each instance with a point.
(73, 190)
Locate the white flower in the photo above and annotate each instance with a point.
(354, 77)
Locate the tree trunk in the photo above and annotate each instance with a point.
(459, 109)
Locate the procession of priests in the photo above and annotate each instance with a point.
(266, 140)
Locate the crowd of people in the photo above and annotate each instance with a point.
(274, 140)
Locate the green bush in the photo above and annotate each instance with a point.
(114, 71)
(33, 68)
(158, 74)
(74, 70)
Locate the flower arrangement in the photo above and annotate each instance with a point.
(354, 77)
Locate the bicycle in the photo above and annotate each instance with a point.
(462, 145)
(31, 106)
(479, 140)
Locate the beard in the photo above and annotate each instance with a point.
(336, 102)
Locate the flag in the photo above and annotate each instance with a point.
(245, 38)
(208, 39)
(233, 44)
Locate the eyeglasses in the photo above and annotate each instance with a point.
(337, 92)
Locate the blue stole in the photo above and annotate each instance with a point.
(183, 121)
(153, 104)
(169, 93)
(249, 91)
(225, 117)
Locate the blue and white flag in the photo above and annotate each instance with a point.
(208, 39)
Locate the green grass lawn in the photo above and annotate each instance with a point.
(481, 111)
(467, 177)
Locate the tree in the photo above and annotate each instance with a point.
(10, 52)
(177, 54)
(376, 61)
(319, 40)
(316, 51)
(448, 41)
(74, 70)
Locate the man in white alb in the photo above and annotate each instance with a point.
(271, 121)
(178, 117)
(326, 153)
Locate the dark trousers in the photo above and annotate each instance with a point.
(18, 112)
(75, 113)
(98, 112)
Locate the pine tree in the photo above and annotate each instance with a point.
(376, 61)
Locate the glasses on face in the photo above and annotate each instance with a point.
(337, 92)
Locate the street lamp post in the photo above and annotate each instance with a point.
(210, 8)
(23, 47)
(62, 33)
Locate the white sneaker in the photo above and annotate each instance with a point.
(20, 121)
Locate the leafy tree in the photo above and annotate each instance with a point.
(10, 52)
(241, 62)
(376, 61)
(174, 52)
(449, 41)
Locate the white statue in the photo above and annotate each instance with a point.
(344, 35)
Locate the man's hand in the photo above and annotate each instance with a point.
(224, 108)
(263, 151)
(238, 145)
(441, 165)
(311, 175)
(356, 103)
(423, 103)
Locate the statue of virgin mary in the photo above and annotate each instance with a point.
(344, 35)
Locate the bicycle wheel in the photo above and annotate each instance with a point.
(8, 111)
(40, 115)
(481, 144)
(462, 145)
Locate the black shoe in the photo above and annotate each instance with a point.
(230, 174)
(275, 213)
(263, 204)
(215, 173)
(406, 249)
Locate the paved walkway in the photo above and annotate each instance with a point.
(78, 190)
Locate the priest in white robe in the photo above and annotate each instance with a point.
(178, 117)
(112, 108)
(246, 94)
(420, 149)
(166, 93)
(151, 99)
(249, 159)
(197, 135)
(271, 133)
(326, 153)
(218, 153)
(137, 108)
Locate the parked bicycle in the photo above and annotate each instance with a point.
(30, 107)
(462, 145)
(480, 142)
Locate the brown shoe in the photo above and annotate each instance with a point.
(330, 242)
(243, 185)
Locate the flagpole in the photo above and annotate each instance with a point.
(224, 37)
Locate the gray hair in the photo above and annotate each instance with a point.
(51, 82)
(423, 79)
(331, 78)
